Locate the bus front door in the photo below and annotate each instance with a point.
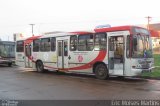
(62, 54)
(116, 47)
(28, 58)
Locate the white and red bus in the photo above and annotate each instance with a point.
(118, 51)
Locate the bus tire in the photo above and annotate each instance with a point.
(101, 71)
(40, 67)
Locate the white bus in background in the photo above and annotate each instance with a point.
(118, 51)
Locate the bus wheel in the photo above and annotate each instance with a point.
(101, 71)
(40, 66)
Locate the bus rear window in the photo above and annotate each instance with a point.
(19, 46)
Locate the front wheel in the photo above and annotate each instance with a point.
(40, 66)
(101, 71)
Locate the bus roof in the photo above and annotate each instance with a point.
(55, 34)
(117, 28)
(66, 33)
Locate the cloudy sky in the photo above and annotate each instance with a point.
(71, 15)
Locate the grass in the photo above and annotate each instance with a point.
(157, 60)
(156, 71)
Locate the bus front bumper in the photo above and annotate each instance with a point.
(138, 72)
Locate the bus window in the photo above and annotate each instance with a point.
(85, 43)
(59, 49)
(36, 45)
(53, 44)
(65, 48)
(28, 50)
(111, 43)
(138, 46)
(3, 52)
(128, 46)
(45, 44)
(100, 41)
(19, 46)
(73, 43)
(12, 51)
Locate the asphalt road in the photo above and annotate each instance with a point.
(25, 84)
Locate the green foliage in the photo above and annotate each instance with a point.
(157, 60)
(155, 73)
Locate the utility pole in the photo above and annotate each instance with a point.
(148, 19)
(32, 28)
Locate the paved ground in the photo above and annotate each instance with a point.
(24, 84)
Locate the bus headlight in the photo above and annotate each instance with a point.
(133, 66)
(137, 66)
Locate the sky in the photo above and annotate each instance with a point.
(72, 15)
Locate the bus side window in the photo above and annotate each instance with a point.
(65, 48)
(73, 43)
(89, 43)
(53, 44)
(36, 45)
(19, 46)
(45, 44)
(135, 44)
(85, 42)
(128, 46)
(100, 41)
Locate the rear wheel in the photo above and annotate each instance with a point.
(101, 71)
(40, 67)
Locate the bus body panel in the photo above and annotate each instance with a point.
(20, 61)
(141, 64)
(49, 59)
(83, 61)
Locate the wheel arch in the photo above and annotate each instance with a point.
(96, 63)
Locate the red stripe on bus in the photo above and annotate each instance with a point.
(100, 58)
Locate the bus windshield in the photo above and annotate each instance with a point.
(7, 49)
(142, 47)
